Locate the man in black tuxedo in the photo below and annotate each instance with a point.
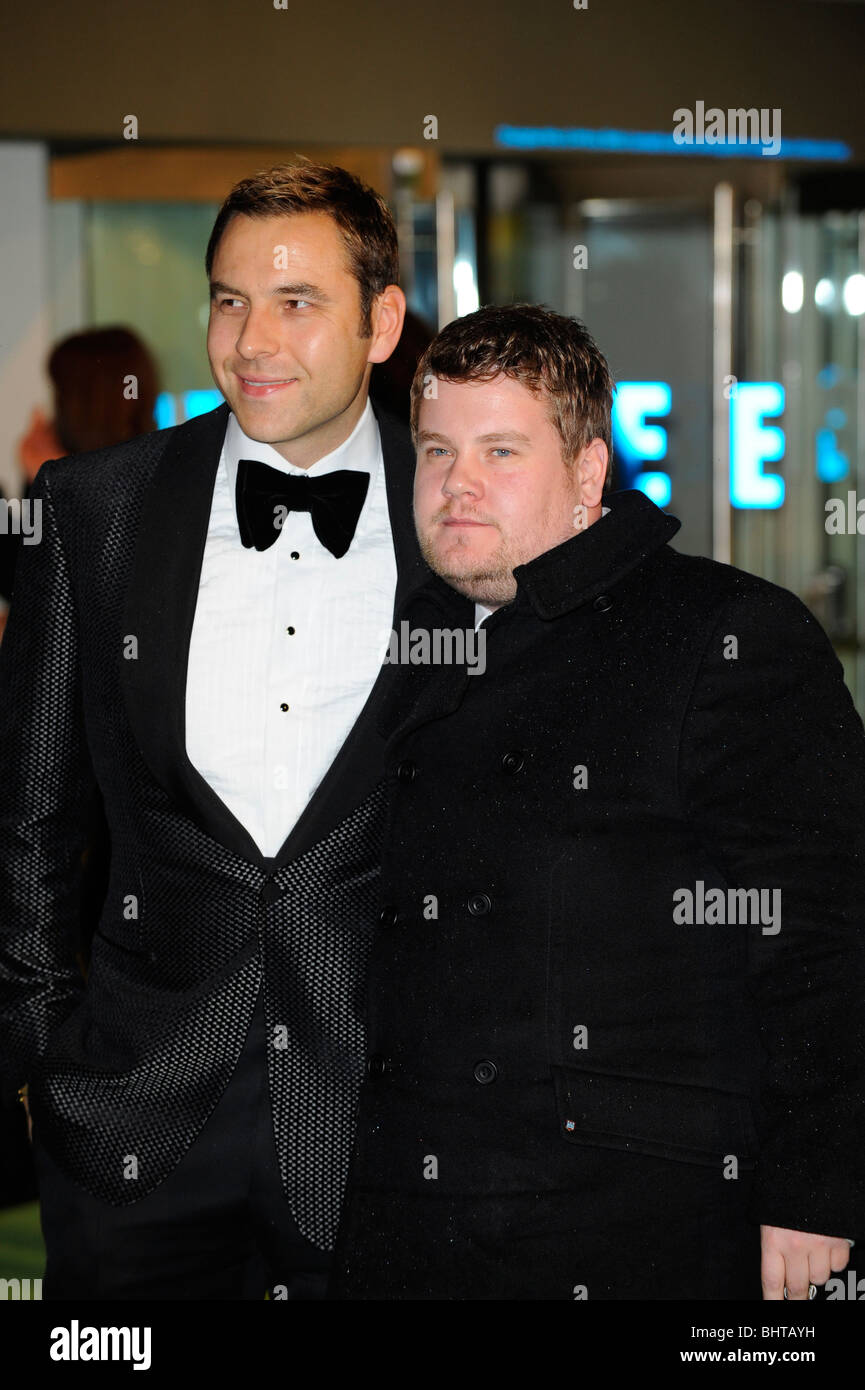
(200, 636)
(617, 1028)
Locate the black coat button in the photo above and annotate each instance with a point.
(406, 771)
(376, 1066)
(603, 603)
(269, 892)
(388, 917)
(513, 762)
(485, 1072)
(479, 904)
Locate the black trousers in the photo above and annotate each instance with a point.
(218, 1227)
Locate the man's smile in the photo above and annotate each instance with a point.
(263, 386)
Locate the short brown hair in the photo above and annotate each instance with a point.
(361, 214)
(544, 351)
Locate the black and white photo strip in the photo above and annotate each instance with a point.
(432, 676)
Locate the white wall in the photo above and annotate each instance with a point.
(25, 318)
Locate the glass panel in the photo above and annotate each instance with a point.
(145, 269)
(801, 305)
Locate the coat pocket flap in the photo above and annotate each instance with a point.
(693, 1124)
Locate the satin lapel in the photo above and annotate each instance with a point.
(359, 764)
(159, 612)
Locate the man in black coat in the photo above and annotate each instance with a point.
(616, 995)
(199, 636)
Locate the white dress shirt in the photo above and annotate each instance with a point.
(286, 642)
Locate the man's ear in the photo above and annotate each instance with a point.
(591, 470)
(387, 314)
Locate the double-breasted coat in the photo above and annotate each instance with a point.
(595, 1068)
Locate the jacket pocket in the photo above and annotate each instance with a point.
(689, 1124)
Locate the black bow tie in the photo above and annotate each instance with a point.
(334, 501)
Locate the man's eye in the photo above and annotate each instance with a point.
(223, 302)
(307, 304)
(437, 449)
(502, 450)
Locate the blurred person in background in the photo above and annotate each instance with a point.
(89, 412)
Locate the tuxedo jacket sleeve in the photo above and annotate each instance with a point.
(46, 788)
(10, 544)
(773, 773)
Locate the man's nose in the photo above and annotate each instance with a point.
(258, 336)
(462, 478)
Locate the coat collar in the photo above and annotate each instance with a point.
(580, 569)
(595, 560)
(553, 584)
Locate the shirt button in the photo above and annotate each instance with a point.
(388, 917)
(295, 555)
(376, 1067)
(479, 904)
(283, 708)
(290, 631)
(603, 603)
(513, 762)
(406, 771)
(485, 1072)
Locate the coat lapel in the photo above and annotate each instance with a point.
(160, 609)
(416, 694)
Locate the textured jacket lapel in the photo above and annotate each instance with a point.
(159, 613)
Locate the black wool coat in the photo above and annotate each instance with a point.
(573, 1090)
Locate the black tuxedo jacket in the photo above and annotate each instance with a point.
(574, 1086)
(124, 1071)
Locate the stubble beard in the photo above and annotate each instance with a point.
(491, 584)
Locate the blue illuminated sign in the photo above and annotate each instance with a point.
(192, 403)
(832, 463)
(635, 441)
(752, 444)
(659, 142)
(656, 486)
